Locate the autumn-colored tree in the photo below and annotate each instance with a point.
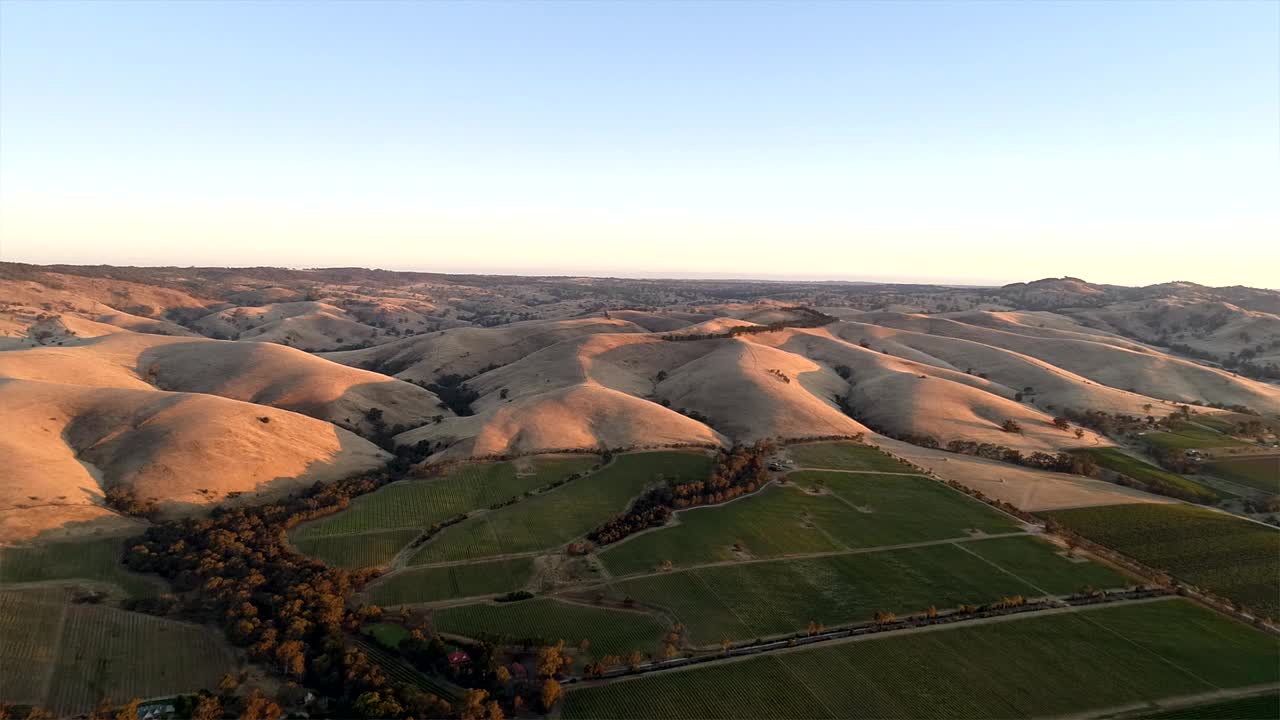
(259, 707)
(634, 659)
(884, 617)
(551, 658)
(228, 683)
(374, 704)
(551, 693)
(932, 611)
(725, 644)
(208, 707)
(39, 713)
(473, 705)
(292, 658)
(128, 711)
(502, 674)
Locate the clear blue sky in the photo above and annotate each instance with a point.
(1119, 142)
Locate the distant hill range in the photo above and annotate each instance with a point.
(189, 387)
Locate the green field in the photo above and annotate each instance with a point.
(543, 620)
(856, 510)
(82, 653)
(421, 585)
(95, 560)
(1034, 666)
(1262, 473)
(357, 550)
(749, 600)
(420, 503)
(1158, 479)
(29, 622)
(1257, 707)
(1226, 555)
(844, 456)
(551, 519)
(1187, 437)
(387, 634)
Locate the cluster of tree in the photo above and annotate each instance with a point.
(1242, 362)
(1118, 423)
(454, 394)
(122, 498)
(1060, 462)
(738, 471)
(234, 569)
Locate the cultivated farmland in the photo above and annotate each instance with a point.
(82, 653)
(1226, 555)
(544, 621)
(1261, 473)
(853, 511)
(1158, 479)
(29, 623)
(420, 503)
(550, 519)
(749, 600)
(1186, 437)
(358, 549)
(1257, 707)
(94, 560)
(1023, 667)
(844, 456)
(428, 584)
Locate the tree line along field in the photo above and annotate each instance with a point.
(550, 519)
(429, 584)
(93, 560)
(378, 525)
(546, 620)
(68, 656)
(744, 601)
(1260, 472)
(1156, 478)
(844, 456)
(1223, 554)
(1045, 665)
(852, 511)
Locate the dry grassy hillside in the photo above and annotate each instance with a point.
(106, 380)
(253, 372)
(468, 351)
(66, 444)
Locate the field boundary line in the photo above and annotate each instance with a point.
(822, 554)
(56, 655)
(807, 688)
(872, 637)
(1175, 702)
(1010, 573)
(1162, 658)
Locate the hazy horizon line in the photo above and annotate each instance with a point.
(599, 274)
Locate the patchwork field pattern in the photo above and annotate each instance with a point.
(751, 600)
(1023, 667)
(544, 621)
(1229, 556)
(83, 653)
(553, 518)
(94, 560)
(853, 511)
(428, 584)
